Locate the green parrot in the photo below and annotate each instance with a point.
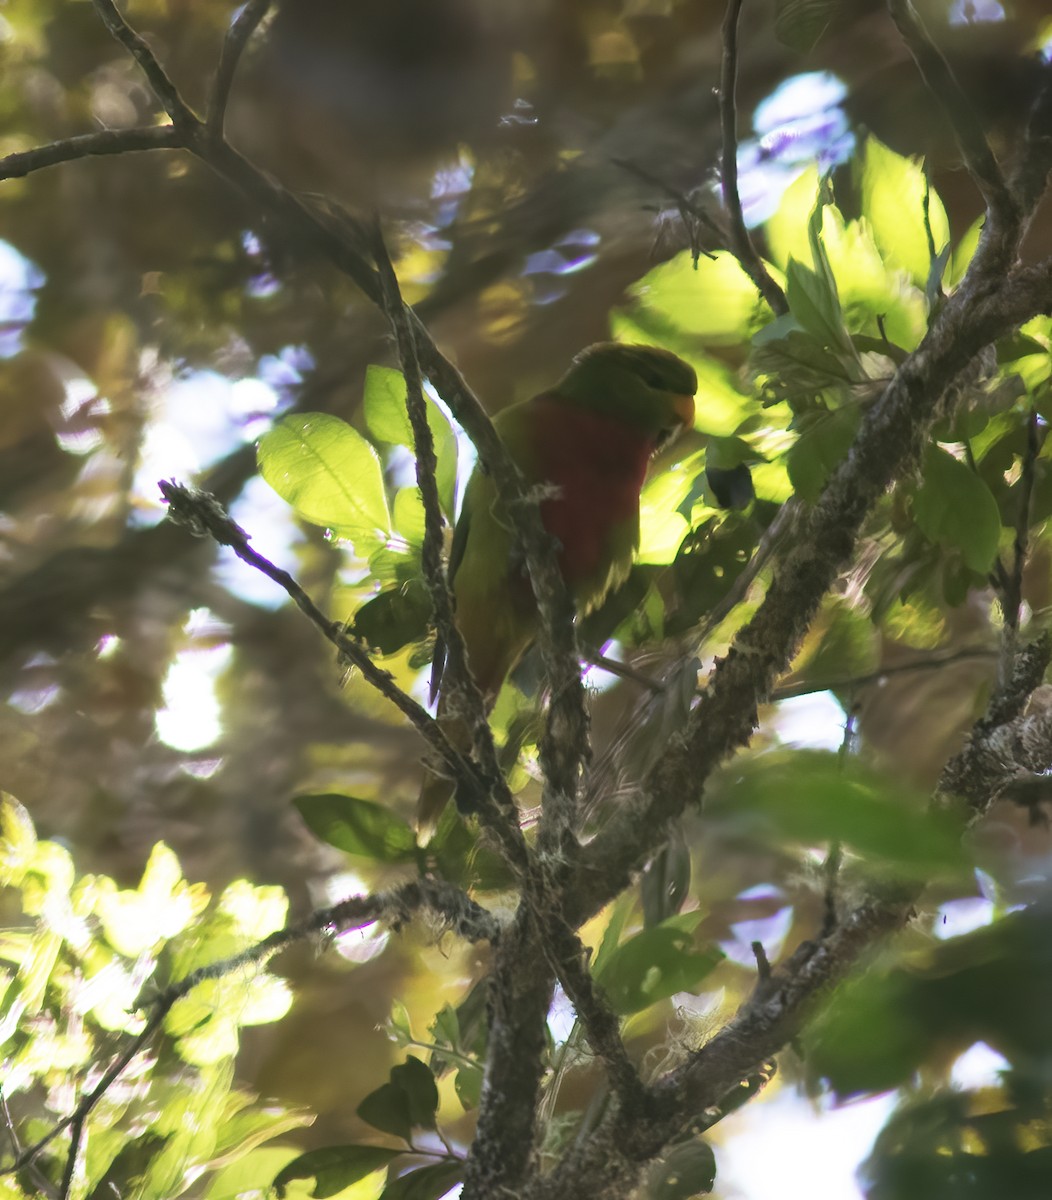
(589, 439)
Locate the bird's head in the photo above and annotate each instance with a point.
(644, 386)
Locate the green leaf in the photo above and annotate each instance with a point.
(18, 841)
(893, 190)
(655, 964)
(251, 1176)
(782, 229)
(358, 827)
(334, 1168)
(387, 1109)
(841, 643)
(395, 618)
(620, 911)
(384, 406)
(163, 905)
(825, 438)
(815, 305)
(427, 1183)
(666, 881)
(190, 1140)
(408, 1101)
(407, 515)
(460, 858)
(388, 421)
(799, 24)
(954, 507)
(329, 474)
(964, 251)
(661, 527)
(249, 1124)
(418, 1083)
(716, 303)
(687, 1170)
(813, 797)
(468, 1084)
(254, 911)
(794, 364)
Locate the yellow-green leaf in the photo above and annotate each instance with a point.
(329, 474)
(893, 198)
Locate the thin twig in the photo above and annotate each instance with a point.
(849, 683)
(567, 955)
(40, 1181)
(204, 516)
(88, 1102)
(89, 145)
(741, 243)
(426, 462)
(245, 24)
(622, 670)
(462, 686)
(831, 871)
(691, 214)
(163, 88)
(564, 746)
(763, 965)
(929, 233)
(971, 139)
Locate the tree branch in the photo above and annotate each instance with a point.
(601, 1025)
(741, 243)
(240, 33)
(565, 744)
(163, 88)
(1001, 205)
(90, 145)
(204, 516)
(520, 998)
(1006, 740)
(888, 442)
(462, 686)
(608, 1165)
(848, 683)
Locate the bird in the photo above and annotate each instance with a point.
(586, 443)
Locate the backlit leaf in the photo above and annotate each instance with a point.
(358, 827)
(388, 421)
(333, 1168)
(329, 474)
(893, 202)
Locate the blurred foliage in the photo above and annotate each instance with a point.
(79, 962)
(153, 324)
